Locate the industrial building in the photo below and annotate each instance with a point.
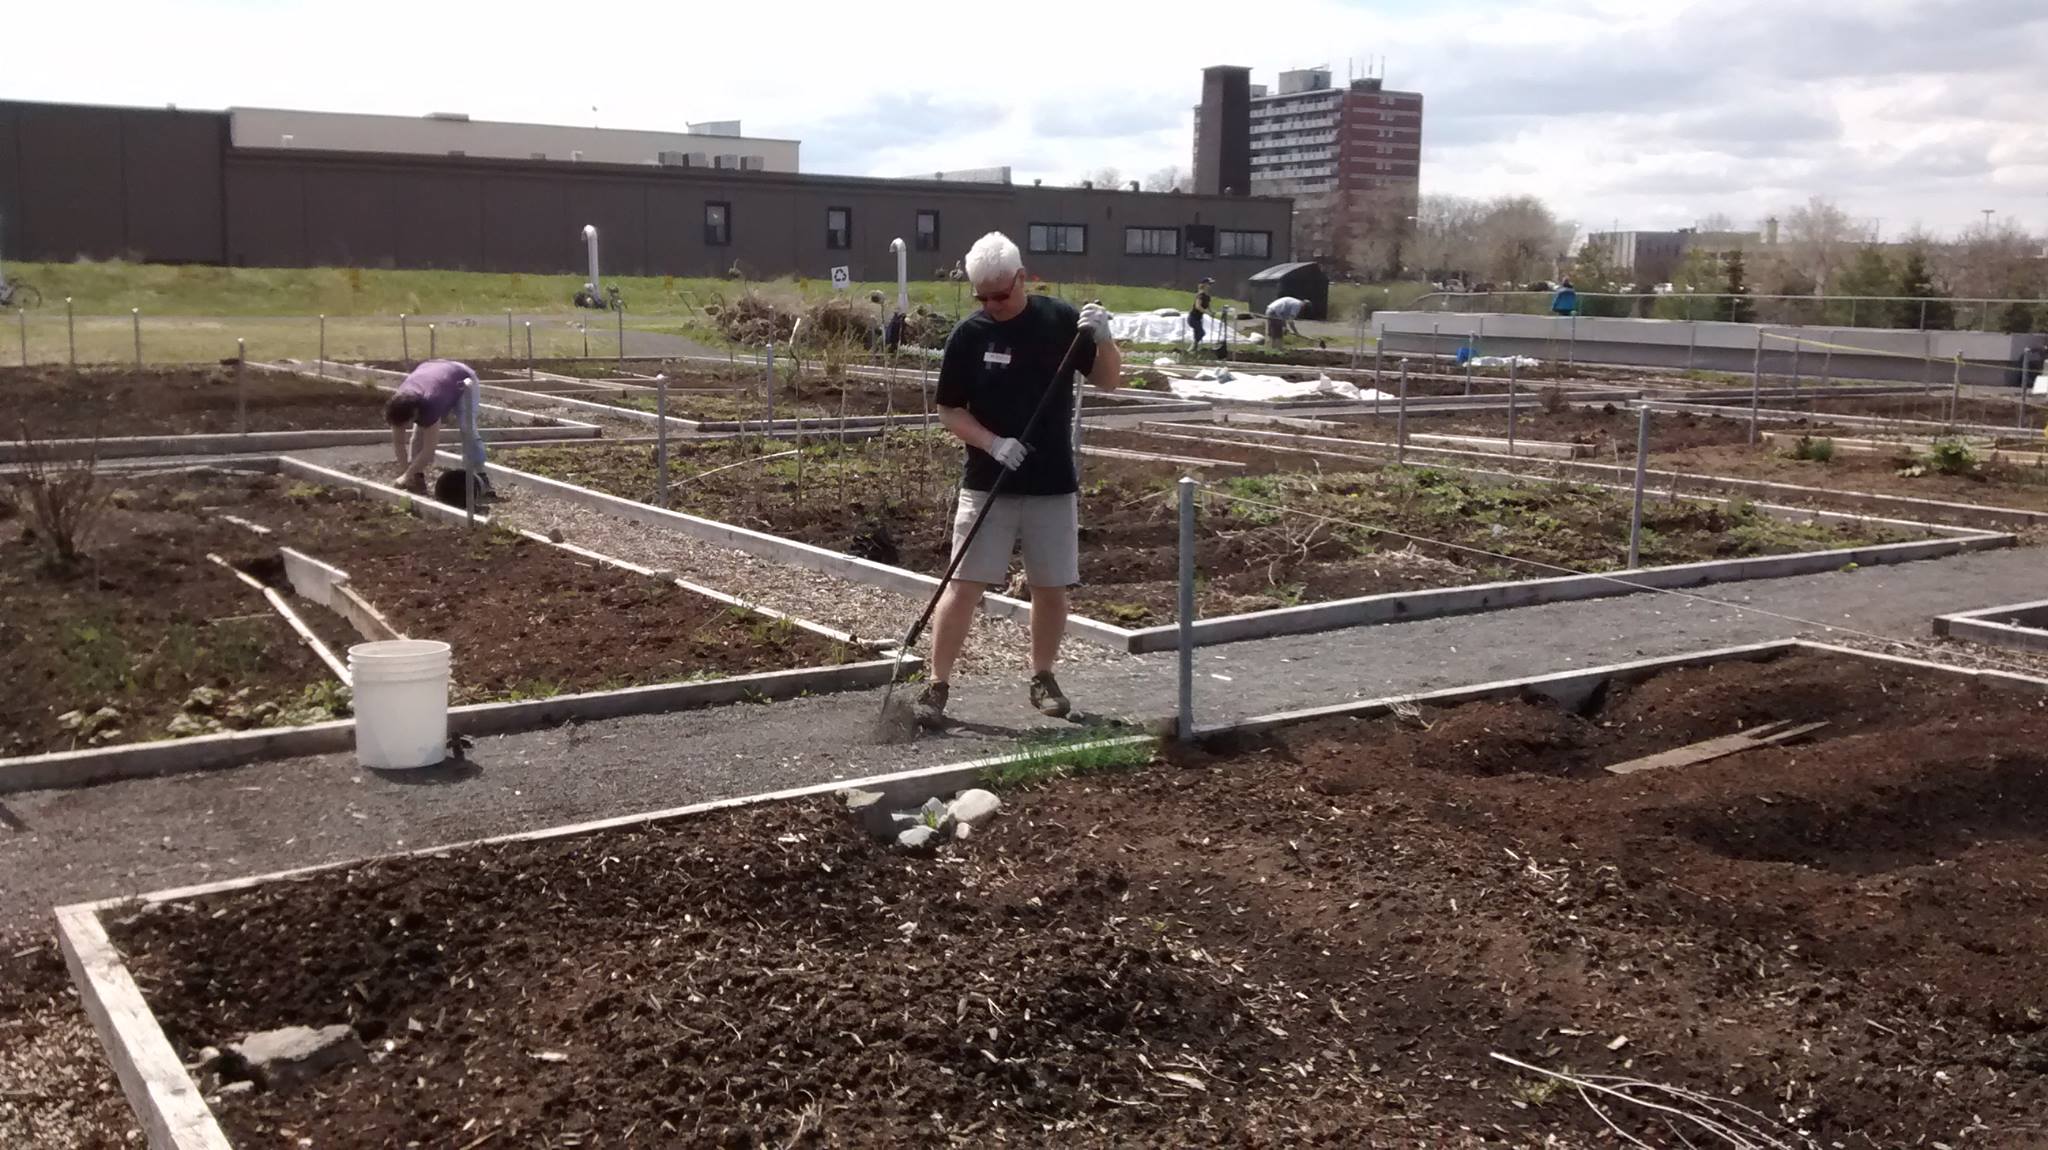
(1650, 257)
(167, 185)
(716, 144)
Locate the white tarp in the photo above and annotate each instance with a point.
(2041, 383)
(1219, 383)
(1505, 361)
(1167, 325)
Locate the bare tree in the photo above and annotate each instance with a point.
(1818, 241)
(1996, 261)
(1715, 222)
(1172, 178)
(1523, 240)
(1102, 178)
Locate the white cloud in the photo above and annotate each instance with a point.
(1912, 111)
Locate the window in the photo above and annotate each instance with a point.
(838, 228)
(1245, 245)
(1071, 238)
(717, 224)
(927, 231)
(1151, 242)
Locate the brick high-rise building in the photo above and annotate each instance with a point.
(1350, 157)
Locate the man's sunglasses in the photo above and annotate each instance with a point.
(997, 296)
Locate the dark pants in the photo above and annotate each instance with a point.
(1195, 325)
(1276, 328)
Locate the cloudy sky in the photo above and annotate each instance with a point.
(1645, 113)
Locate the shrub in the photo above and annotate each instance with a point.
(1952, 457)
(63, 499)
(1553, 400)
(1813, 450)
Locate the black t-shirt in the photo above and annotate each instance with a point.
(1202, 301)
(997, 371)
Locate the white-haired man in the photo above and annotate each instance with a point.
(999, 363)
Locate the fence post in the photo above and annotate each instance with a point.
(241, 388)
(1571, 352)
(404, 342)
(1756, 385)
(1955, 394)
(21, 320)
(529, 351)
(769, 374)
(661, 440)
(1435, 334)
(2024, 356)
(1186, 621)
(433, 343)
(1923, 315)
(1401, 418)
(1797, 344)
(135, 314)
(585, 329)
(469, 448)
(508, 333)
(322, 361)
(620, 311)
(1379, 349)
(71, 332)
(1926, 358)
(1635, 517)
(1852, 311)
(1514, 374)
(1692, 340)
(1827, 361)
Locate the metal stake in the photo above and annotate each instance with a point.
(1401, 418)
(21, 318)
(2023, 388)
(469, 448)
(620, 311)
(241, 388)
(433, 343)
(585, 329)
(769, 374)
(135, 314)
(1635, 518)
(323, 345)
(1378, 355)
(1827, 361)
(1514, 373)
(1955, 394)
(404, 342)
(508, 333)
(71, 332)
(1186, 622)
(1571, 354)
(1692, 339)
(1756, 383)
(661, 440)
(529, 351)
(1797, 344)
(1926, 358)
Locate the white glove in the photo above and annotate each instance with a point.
(1008, 452)
(1095, 321)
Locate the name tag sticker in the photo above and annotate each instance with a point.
(1001, 358)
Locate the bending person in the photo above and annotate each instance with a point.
(434, 390)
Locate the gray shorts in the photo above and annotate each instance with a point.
(1048, 526)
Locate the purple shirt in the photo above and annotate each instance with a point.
(438, 383)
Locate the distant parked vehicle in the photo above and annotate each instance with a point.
(19, 294)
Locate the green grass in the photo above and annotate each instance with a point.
(1062, 755)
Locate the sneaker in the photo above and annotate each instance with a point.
(1046, 695)
(931, 706)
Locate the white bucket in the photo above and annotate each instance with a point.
(401, 702)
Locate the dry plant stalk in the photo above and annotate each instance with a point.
(62, 498)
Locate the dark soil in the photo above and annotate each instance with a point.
(720, 397)
(2023, 486)
(58, 403)
(2001, 412)
(1610, 430)
(1250, 558)
(137, 625)
(57, 1091)
(1318, 939)
(525, 619)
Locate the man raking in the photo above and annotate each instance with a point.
(998, 364)
(434, 390)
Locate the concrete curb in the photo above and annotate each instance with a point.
(1933, 428)
(132, 447)
(64, 769)
(2015, 626)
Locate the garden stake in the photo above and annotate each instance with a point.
(897, 722)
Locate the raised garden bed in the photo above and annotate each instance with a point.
(58, 403)
(144, 638)
(526, 620)
(1323, 934)
(890, 501)
(1933, 407)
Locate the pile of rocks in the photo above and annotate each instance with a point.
(925, 827)
(280, 1060)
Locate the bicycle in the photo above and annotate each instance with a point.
(19, 294)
